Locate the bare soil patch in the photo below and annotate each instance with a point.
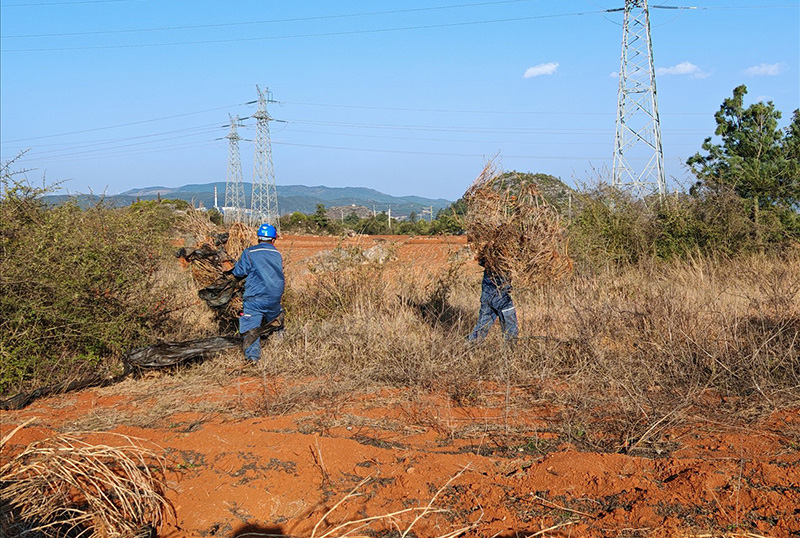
(234, 470)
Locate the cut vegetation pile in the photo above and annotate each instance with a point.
(211, 261)
(514, 230)
(64, 486)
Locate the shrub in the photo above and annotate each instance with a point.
(609, 227)
(75, 285)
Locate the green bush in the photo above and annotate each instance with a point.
(609, 227)
(75, 284)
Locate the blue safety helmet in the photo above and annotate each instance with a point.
(267, 231)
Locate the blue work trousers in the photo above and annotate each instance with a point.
(496, 303)
(255, 314)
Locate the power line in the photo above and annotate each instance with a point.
(94, 151)
(457, 141)
(453, 111)
(434, 128)
(351, 32)
(69, 3)
(143, 151)
(79, 145)
(430, 153)
(271, 21)
(123, 124)
(320, 34)
(445, 111)
(98, 147)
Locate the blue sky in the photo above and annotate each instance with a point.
(405, 97)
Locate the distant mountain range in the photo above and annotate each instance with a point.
(291, 198)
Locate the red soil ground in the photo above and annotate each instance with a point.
(236, 470)
(279, 475)
(299, 249)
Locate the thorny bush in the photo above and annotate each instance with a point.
(76, 285)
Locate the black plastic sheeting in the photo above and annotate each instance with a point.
(226, 286)
(162, 355)
(23, 399)
(221, 291)
(171, 353)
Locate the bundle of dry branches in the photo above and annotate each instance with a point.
(514, 230)
(240, 236)
(204, 272)
(210, 262)
(197, 223)
(64, 484)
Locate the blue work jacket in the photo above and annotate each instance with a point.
(262, 264)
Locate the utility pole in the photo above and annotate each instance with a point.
(638, 131)
(234, 187)
(264, 202)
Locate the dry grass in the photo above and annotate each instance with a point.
(240, 236)
(188, 317)
(65, 485)
(627, 352)
(198, 225)
(622, 354)
(514, 230)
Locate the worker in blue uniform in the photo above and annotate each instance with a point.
(262, 265)
(496, 303)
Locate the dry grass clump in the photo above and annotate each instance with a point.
(187, 316)
(240, 236)
(340, 281)
(65, 485)
(204, 272)
(197, 224)
(209, 262)
(514, 230)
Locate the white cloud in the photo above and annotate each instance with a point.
(541, 69)
(769, 70)
(683, 68)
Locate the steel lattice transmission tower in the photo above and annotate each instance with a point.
(234, 210)
(638, 133)
(264, 203)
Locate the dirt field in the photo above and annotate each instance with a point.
(244, 461)
(299, 249)
(234, 473)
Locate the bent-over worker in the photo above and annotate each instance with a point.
(262, 264)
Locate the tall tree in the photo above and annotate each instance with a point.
(755, 158)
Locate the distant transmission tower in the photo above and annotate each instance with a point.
(264, 202)
(638, 133)
(234, 187)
